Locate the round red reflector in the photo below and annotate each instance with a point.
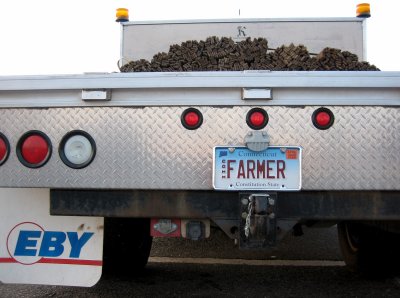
(34, 149)
(192, 119)
(257, 118)
(3, 150)
(323, 119)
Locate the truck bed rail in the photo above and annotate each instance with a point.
(203, 88)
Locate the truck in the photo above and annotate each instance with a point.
(121, 158)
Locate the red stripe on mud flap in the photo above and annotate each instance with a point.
(71, 262)
(59, 261)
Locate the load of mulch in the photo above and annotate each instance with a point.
(224, 54)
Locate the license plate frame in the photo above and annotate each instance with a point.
(268, 169)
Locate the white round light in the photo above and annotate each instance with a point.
(78, 149)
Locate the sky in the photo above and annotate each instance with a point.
(78, 36)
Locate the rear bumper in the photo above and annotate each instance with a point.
(148, 147)
(305, 205)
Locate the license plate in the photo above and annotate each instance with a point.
(239, 168)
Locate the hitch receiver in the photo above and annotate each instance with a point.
(258, 220)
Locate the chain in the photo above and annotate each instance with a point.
(248, 218)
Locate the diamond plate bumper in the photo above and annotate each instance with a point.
(148, 148)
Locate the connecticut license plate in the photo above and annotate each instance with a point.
(238, 168)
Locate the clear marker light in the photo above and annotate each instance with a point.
(77, 149)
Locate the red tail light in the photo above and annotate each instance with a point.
(34, 149)
(4, 149)
(323, 118)
(191, 118)
(257, 118)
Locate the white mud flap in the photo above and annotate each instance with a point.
(36, 248)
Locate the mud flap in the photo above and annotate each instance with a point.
(36, 248)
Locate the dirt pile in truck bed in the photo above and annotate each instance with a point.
(224, 54)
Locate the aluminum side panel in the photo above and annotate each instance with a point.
(148, 148)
